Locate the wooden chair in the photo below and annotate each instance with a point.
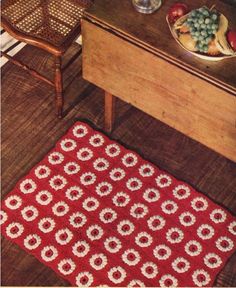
(51, 25)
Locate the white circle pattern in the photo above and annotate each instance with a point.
(13, 202)
(49, 253)
(117, 275)
(74, 193)
(3, 217)
(44, 197)
(29, 213)
(110, 234)
(80, 248)
(162, 252)
(151, 195)
(66, 266)
(42, 172)
(68, 145)
(163, 181)
(121, 199)
(80, 131)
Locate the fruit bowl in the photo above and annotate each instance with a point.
(203, 33)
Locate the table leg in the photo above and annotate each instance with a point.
(109, 111)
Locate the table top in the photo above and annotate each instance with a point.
(151, 32)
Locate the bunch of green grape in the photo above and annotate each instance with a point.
(203, 25)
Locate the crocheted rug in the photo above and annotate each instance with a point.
(99, 214)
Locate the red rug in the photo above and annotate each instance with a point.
(98, 214)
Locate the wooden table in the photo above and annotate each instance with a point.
(134, 57)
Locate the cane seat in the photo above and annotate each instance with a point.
(49, 24)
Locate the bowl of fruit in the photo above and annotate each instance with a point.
(204, 32)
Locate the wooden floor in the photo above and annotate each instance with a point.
(30, 129)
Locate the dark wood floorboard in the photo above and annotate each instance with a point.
(30, 129)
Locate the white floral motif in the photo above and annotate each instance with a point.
(66, 266)
(187, 219)
(205, 231)
(28, 186)
(107, 215)
(156, 222)
(117, 174)
(80, 248)
(168, 280)
(42, 171)
(60, 209)
(143, 239)
(14, 230)
(98, 261)
(49, 253)
(151, 195)
(232, 227)
(112, 244)
(199, 204)
(193, 248)
(146, 170)
(88, 178)
(112, 150)
(84, 154)
(224, 244)
(180, 265)
(29, 213)
(104, 189)
(136, 283)
(131, 257)
(117, 274)
(68, 145)
(218, 216)
(139, 210)
(125, 227)
(181, 192)
(71, 168)
(46, 225)
(84, 279)
(90, 204)
(44, 197)
(58, 182)
(212, 260)
(174, 235)
(74, 193)
(169, 207)
(201, 277)
(121, 199)
(63, 236)
(13, 202)
(163, 180)
(134, 184)
(129, 160)
(101, 164)
(32, 241)
(96, 140)
(162, 252)
(80, 131)
(94, 232)
(149, 270)
(77, 220)
(3, 217)
(55, 158)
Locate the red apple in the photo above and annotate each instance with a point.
(231, 37)
(176, 11)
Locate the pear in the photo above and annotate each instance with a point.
(188, 42)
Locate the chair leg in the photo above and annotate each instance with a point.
(58, 86)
